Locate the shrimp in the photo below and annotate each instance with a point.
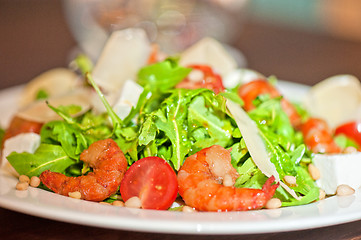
(206, 181)
(318, 136)
(109, 165)
(250, 91)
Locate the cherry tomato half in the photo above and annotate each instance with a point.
(209, 80)
(152, 180)
(351, 130)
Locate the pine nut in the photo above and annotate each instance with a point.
(273, 203)
(34, 181)
(322, 194)
(188, 209)
(344, 190)
(133, 202)
(227, 180)
(314, 172)
(22, 186)
(24, 178)
(76, 194)
(290, 180)
(350, 149)
(105, 203)
(118, 203)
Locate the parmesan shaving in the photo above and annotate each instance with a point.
(255, 144)
(40, 112)
(125, 52)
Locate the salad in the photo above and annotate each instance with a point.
(138, 128)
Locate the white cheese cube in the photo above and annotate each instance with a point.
(337, 169)
(24, 142)
(128, 98)
(125, 52)
(210, 52)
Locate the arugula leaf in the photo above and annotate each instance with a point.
(163, 75)
(148, 131)
(286, 150)
(2, 134)
(117, 122)
(66, 111)
(171, 119)
(310, 196)
(277, 133)
(256, 178)
(343, 141)
(67, 135)
(185, 122)
(46, 157)
(83, 63)
(231, 95)
(41, 94)
(246, 171)
(210, 117)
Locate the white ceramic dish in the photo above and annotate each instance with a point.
(37, 202)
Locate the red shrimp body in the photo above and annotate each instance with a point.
(201, 182)
(318, 136)
(109, 165)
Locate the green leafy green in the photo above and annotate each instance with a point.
(184, 122)
(2, 134)
(172, 124)
(286, 150)
(83, 63)
(231, 95)
(344, 142)
(41, 94)
(163, 75)
(66, 135)
(47, 156)
(117, 122)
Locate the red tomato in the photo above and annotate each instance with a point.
(210, 80)
(351, 130)
(152, 180)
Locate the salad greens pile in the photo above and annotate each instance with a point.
(173, 123)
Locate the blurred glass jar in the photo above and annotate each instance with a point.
(173, 24)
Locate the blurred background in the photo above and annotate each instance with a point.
(302, 41)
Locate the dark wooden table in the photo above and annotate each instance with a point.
(34, 37)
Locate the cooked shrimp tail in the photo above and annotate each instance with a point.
(109, 165)
(206, 182)
(269, 188)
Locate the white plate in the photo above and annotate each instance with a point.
(37, 202)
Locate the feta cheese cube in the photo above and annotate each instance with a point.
(337, 169)
(128, 98)
(24, 142)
